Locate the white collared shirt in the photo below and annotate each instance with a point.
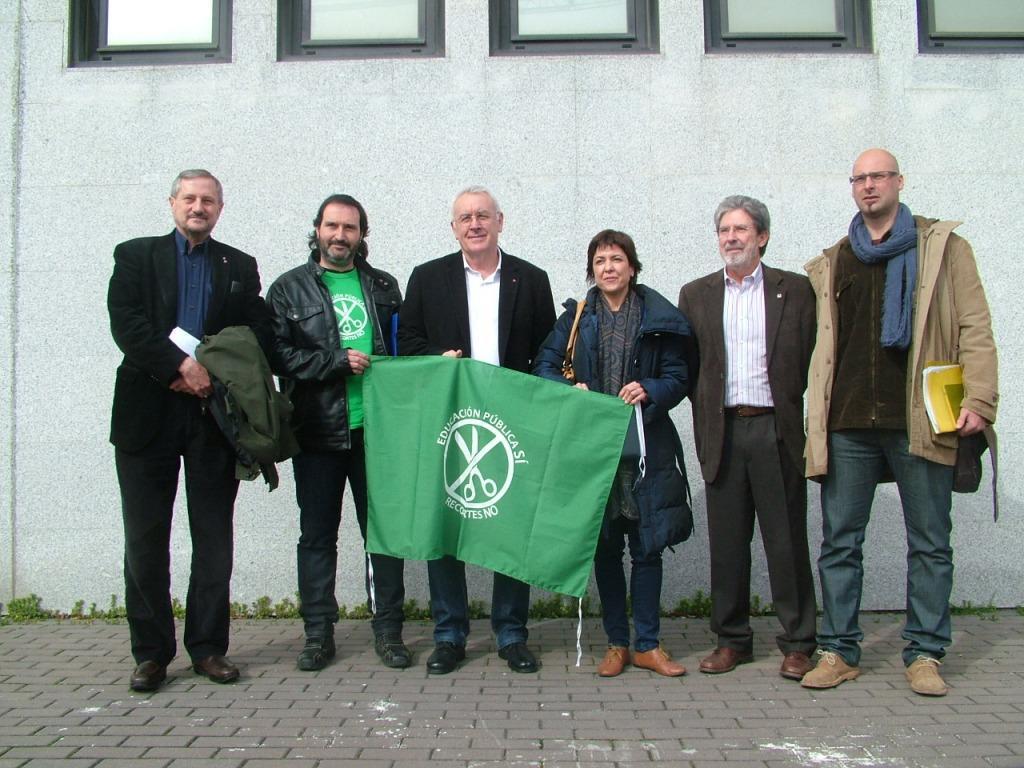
(482, 296)
(746, 347)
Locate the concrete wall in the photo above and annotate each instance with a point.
(570, 145)
(9, 152)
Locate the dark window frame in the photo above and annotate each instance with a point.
(855, 36)
(88, 47)
(929, 42)
(641, 38)
(294, 44)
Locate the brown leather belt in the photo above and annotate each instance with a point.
(744, 411)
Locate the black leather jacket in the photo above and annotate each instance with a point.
(306, 351)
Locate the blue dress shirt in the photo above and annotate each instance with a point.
(195, 284)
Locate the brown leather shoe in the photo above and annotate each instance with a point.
(147, 676)
(217, 668)
(723, 660)
(658, 660)
(795, 665)
(616, 658)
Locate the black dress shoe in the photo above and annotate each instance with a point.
(217, 668)
(392, 651)
(316, 653)
(445, 658)
(148, 676)
(519, 657)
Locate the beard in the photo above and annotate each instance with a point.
(740, 260)
(341, 260)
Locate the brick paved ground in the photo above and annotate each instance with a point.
(64, 701)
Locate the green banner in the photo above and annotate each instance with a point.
(498, 468)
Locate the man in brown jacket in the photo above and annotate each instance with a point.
(754, 327)
(897, 293)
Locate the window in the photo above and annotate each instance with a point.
(574, 26)
(793, 25)
(359, 29)
(982, 26)
(119, 32)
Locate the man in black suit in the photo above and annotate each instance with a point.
(483, 303)
(755, 329)
(187, 283)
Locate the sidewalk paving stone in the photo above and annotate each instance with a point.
(64, 701)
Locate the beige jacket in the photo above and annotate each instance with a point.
(951, 323)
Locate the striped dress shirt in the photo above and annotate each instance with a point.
(746, 348)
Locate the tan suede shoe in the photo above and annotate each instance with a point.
(658, 660)
(830, 672)
(616, 658)
(924, 678)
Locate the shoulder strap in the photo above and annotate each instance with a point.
(567, 368)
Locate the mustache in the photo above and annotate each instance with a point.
(353, 248)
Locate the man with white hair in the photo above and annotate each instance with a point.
(483, 303)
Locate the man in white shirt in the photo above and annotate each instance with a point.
(755, 330)
(483, 303)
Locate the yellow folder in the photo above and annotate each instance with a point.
(943, 393)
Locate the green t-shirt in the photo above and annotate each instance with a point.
(355, 330)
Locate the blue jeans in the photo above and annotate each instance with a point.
(857, 461)
(644, 587)
(449, 604)
(319, 487)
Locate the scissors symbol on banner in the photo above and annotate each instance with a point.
(474, 455)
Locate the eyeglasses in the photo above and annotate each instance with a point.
(875, 176)
(468, 218)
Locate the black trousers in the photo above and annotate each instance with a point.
(320, 478)
(149, 483)
(757, 478)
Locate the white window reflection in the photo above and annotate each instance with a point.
(364, 20)
(573, 17)
(981, 18)
(781, 17)
(159, 22)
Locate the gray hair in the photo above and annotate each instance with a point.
(754, 208)
(477, 190)
(196, 173)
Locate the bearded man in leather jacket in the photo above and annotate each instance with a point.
(328, 316)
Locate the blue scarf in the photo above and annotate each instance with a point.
(900, 251)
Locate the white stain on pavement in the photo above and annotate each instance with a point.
(832, 757)
(381, 709)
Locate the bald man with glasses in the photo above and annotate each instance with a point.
(897, 293)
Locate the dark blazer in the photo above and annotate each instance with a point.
(142, 300)
(790, 333)
(435, 315)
